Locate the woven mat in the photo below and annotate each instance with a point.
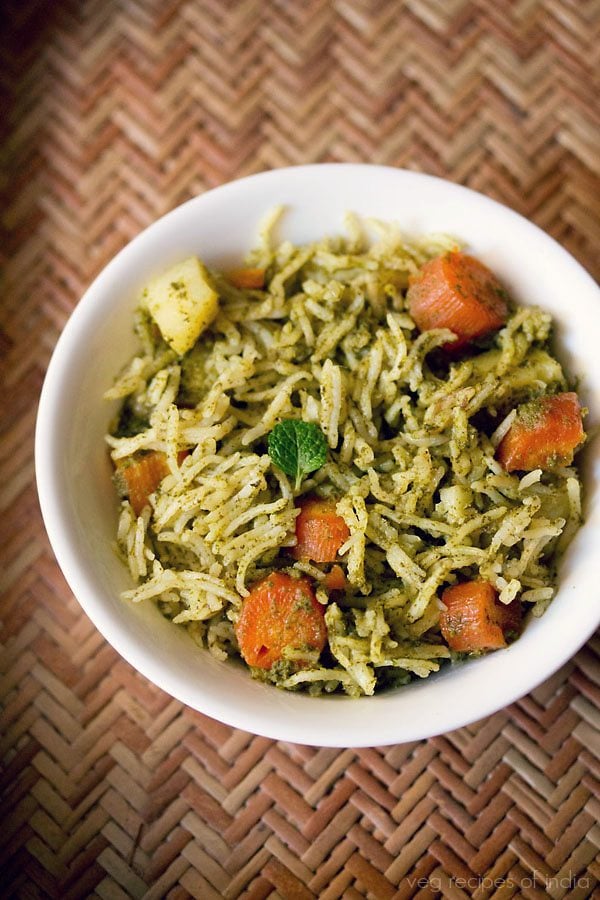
(118, 111)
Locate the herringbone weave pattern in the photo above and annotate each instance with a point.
(114, 111)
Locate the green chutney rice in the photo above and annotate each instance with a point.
(410, 442)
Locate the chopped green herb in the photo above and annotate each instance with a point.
(297, 448)
(531, 414)
(130, 422)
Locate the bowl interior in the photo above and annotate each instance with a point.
(73, 471)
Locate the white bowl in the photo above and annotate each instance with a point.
(80, 509)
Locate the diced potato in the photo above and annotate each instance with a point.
(182, 302)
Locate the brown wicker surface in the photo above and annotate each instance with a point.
(114, 112)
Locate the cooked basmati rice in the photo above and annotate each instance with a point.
(411, 458)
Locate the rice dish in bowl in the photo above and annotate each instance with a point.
(81, 514)
(342, 578)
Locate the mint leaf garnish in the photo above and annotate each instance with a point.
(297, 448)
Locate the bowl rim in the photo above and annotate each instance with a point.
(55, 509)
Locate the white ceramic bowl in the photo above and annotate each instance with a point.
(80, 509)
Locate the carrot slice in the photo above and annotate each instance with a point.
(335, 580)
(458, 292)
(247, 278)
(279, 612)
(546, 432)
(475, 619)
(143, 474)
(319, 530)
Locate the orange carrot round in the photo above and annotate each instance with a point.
(279, 612)
(475, 619)
(247, 278)
(142, 475)
(335, 580)
(458, 292)
(545, 433)
(320, 531)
